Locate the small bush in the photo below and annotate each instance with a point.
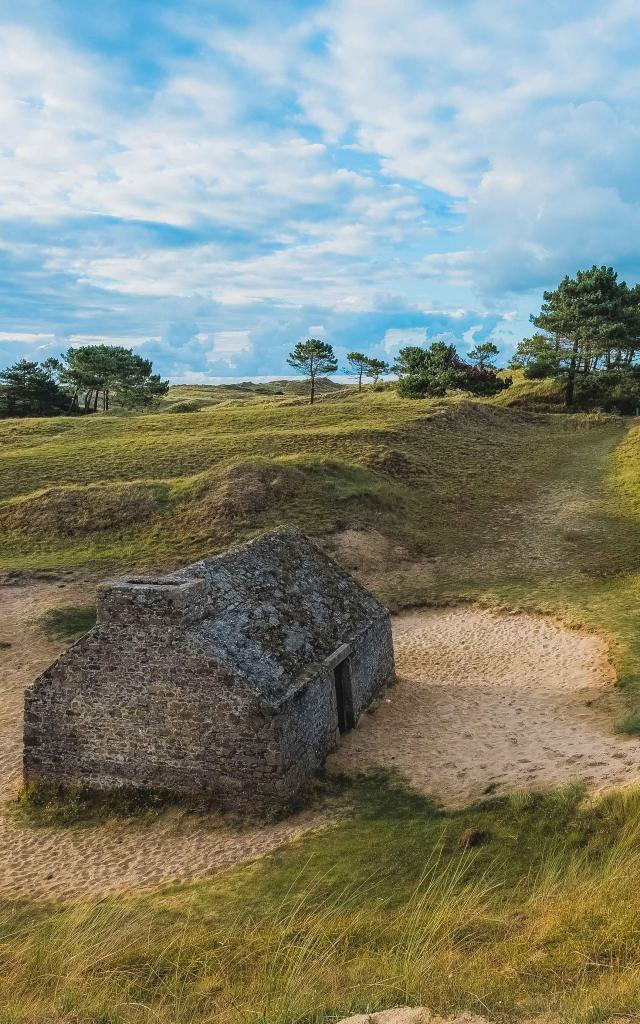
(629, 726)
(187, 407)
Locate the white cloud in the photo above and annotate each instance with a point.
(469, 335)
(227, 346)
(396, 338)
(26, 338)
(288, 162)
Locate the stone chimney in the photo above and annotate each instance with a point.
(152, 601)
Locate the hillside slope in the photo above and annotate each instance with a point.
(107, 491)
(207, 395)
(429, 502)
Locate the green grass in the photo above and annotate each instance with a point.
(539, 395)
(43, 804)
(69, 621)
(107, 492)
(214, 394)
(384, 908)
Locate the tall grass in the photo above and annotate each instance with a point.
(385, 908)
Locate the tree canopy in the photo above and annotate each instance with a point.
(590, 323)
(29, 388)
(314, 359)
(81, 380)
(98, 371)
(361, 365)
(437, 369)
(483, 355)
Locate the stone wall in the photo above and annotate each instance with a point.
(126, 707)
(371, 663)
(310, 726)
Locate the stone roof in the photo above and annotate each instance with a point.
(267, 609)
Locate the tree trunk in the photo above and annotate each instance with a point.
(360, 382)
(95, 401)
(571, 376)
(312, 394)
(106, 399)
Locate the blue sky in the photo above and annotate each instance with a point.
(209, 182)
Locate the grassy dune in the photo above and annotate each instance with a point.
(107, 491)
(214, 394)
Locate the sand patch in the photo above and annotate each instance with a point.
(410, 1015)
(493, 700)
(369, 554)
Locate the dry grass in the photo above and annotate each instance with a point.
(384, 909)
(207, 395)
(74, 511)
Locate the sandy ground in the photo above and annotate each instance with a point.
(493, 700)
(483, 700)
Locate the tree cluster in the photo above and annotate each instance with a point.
(316, 358)
(361, 366)
(589, 337)
(433, 371)
(83, 380)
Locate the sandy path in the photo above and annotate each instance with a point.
(488, 699)
(57, 862)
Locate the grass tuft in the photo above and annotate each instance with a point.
(45, 804)
(629, 726)
(68, 622)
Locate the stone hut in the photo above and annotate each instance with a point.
(234, 676)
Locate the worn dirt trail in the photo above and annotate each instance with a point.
(488, 700)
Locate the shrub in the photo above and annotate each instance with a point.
(191, 406)
(615, 390)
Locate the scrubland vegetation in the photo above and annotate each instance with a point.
(501, 500)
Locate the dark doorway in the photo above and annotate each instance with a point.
(344, 701)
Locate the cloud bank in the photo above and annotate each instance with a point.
(211, 183)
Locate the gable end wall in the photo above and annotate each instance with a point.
(126, 708)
